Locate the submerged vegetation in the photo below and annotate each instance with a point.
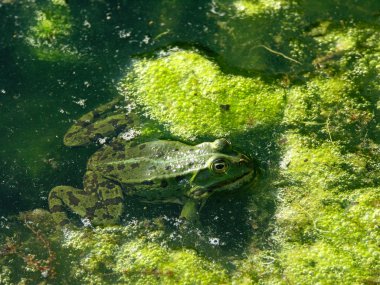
(295, 85)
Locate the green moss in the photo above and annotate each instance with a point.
(325, 166)
(325, 232)
(331, 109)
(345, 250)
(326, 221)
(137, 253)
(115, 255)
(193, 97)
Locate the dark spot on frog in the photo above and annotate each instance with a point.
(95, 114)
(164, 183)
(57, 208)
(147, 182)
(110, 168)
(168, 167)
(83, 123)
(64, 222)
(69, 135)
(113, 201)
(129, 120)
(114, 123)
(135, 165)
(224, 107)
(142, 146)
(117, 146)
(119, 128)
(153, 167)
(121, 167)
(90, 212)
(72, 199)
(107, 184)
(107, 216)
(121, 156)
(90, 128)
(127, 187)
(97, 137)
(53, 195)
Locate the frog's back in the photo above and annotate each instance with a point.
(147, 162)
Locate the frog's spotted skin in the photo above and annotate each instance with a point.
(103, 205)
(105, 121)
(158, 171)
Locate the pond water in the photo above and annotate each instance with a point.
(44, 87)
(294, 86)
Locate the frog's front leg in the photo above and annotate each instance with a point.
(102, 203)
(190, 211)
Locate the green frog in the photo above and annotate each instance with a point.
(160, 171)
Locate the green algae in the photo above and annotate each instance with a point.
(345, 250)
(137, 253)
(50, 30)
(183, 88)
(325, 225)
(140, 261)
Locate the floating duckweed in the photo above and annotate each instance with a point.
(345, 249)
(324, 167)
(140, 259)
(331, 108)
(195, 98)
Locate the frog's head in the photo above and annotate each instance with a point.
(225, 169)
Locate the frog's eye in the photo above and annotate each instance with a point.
(219, 166)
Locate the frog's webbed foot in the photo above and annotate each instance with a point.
(105, 121)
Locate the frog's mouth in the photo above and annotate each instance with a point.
(224, 185)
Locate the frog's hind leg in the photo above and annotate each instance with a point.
(105, 121)
(110, 200)
(63, 198)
